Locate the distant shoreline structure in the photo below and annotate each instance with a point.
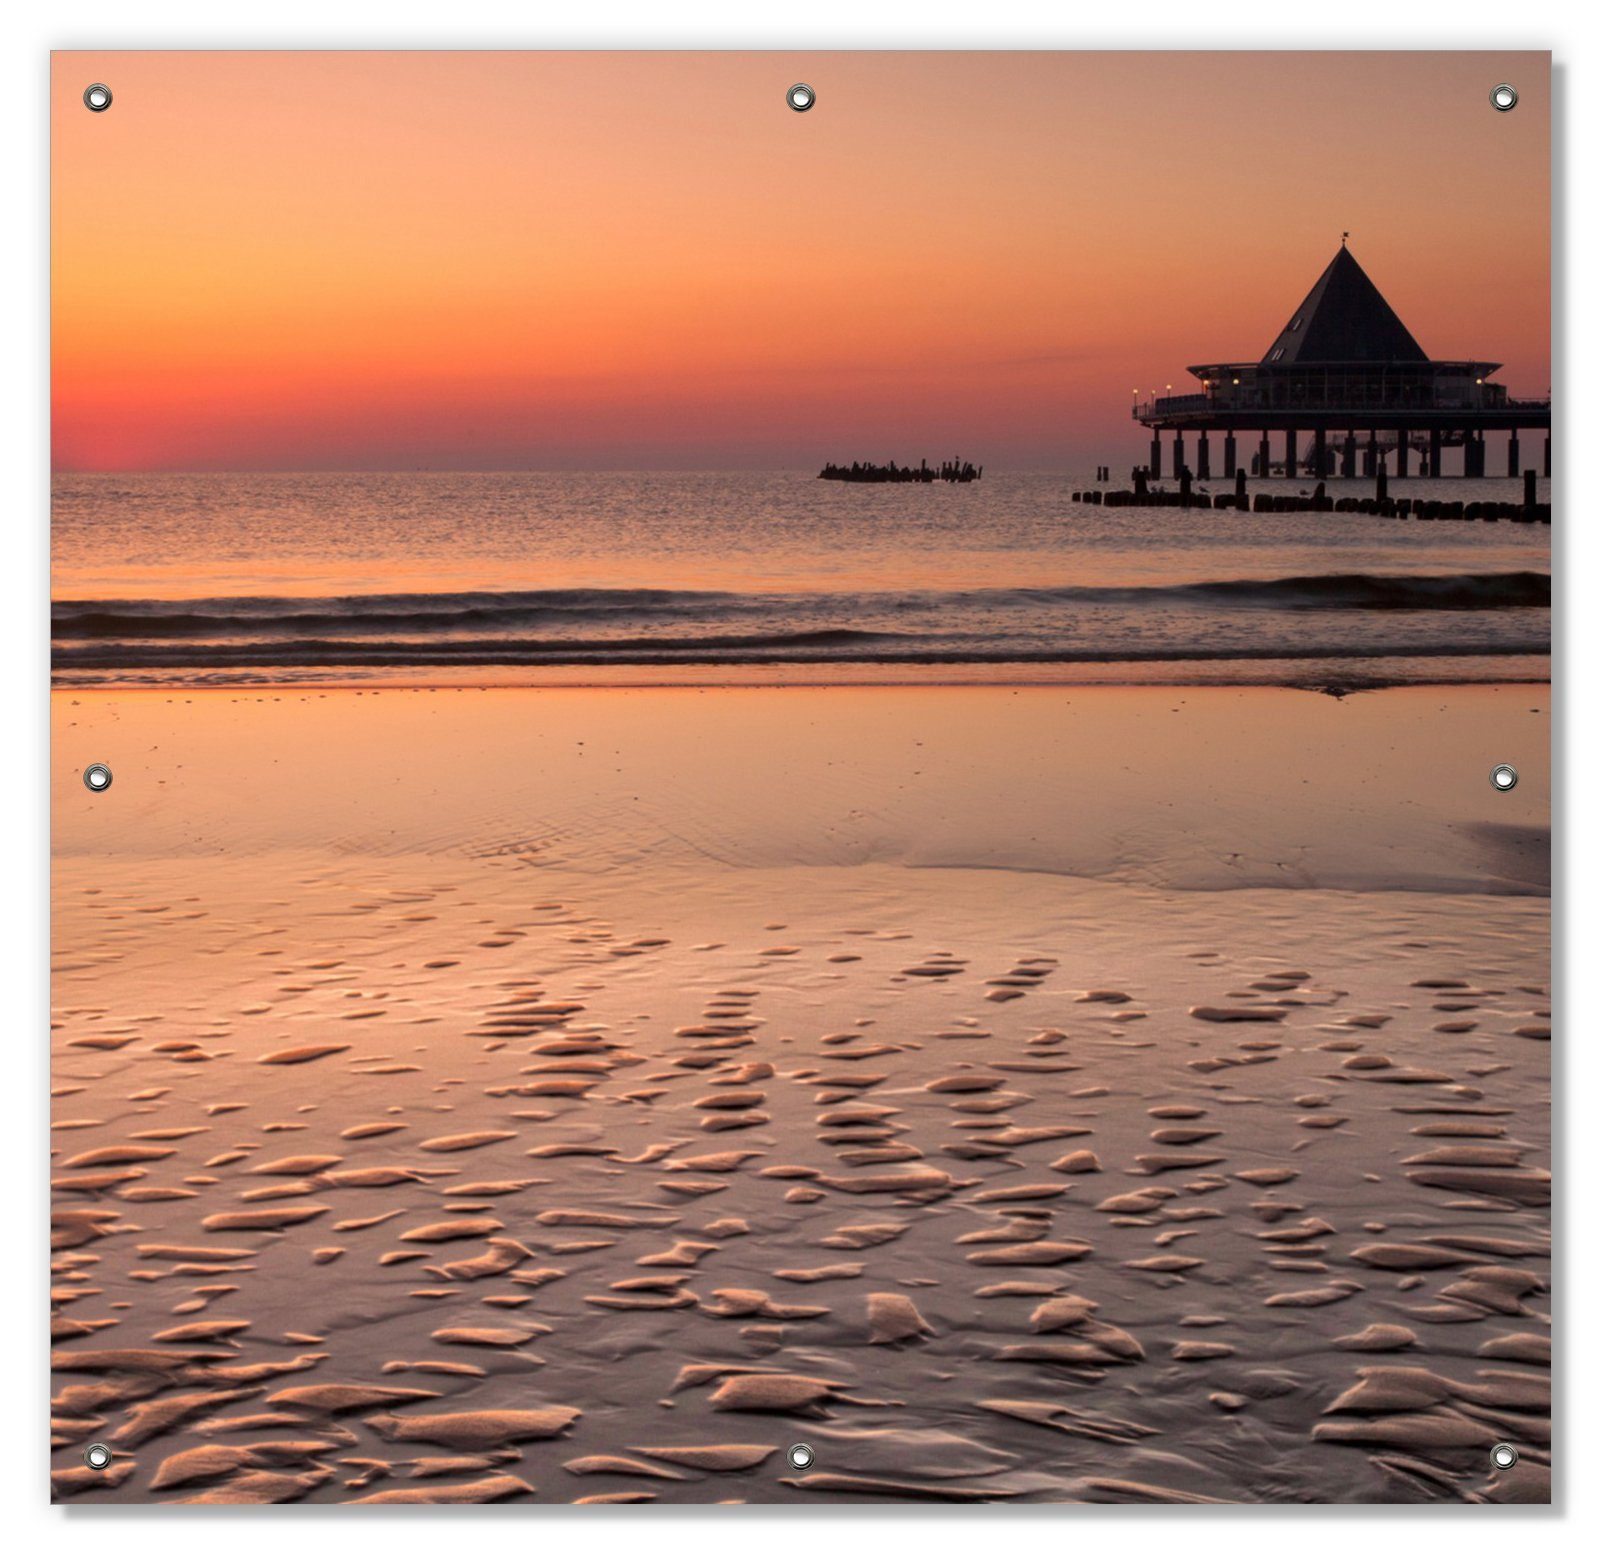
(953, 471)
(1348, 371)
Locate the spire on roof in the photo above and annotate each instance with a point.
(1343, 319)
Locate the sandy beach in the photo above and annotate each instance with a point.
(1041, 1093)
(608, 963)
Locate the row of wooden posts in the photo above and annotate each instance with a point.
(1381, 504)
(953, 471)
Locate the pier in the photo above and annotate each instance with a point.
(1344, 391)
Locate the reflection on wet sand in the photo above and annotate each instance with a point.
(442, 1168)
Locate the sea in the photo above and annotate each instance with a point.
(436, 578)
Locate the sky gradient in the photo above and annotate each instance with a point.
(500, 261)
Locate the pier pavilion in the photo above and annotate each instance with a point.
(1347, 375)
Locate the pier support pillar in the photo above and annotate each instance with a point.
(1435, 454)
(1512, 453)
(1348, 457)
(1203, 458)
(1320, 457)
(1546, 458)
(1402, 451)
(1264, 459)
(1229, 456)
(1477, 448)
(1291, 471)
(1179, 454)
(1156, 460)
(1371, 456)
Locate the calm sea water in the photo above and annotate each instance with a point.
(453, 578)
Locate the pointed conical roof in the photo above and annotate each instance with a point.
(1343, 319)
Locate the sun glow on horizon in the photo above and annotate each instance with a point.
(472, 261)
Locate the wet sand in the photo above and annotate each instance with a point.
(1107, 1095)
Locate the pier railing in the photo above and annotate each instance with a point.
(1228, 401)
(1173, 405)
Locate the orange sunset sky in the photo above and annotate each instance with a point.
(495, 261)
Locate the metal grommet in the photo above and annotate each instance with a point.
(800, 97)
(1504, 1455)
(801, 1456)
(97, 98)
(1503, 98)
(1504, 777)
(97, 778)
(98, 1456)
